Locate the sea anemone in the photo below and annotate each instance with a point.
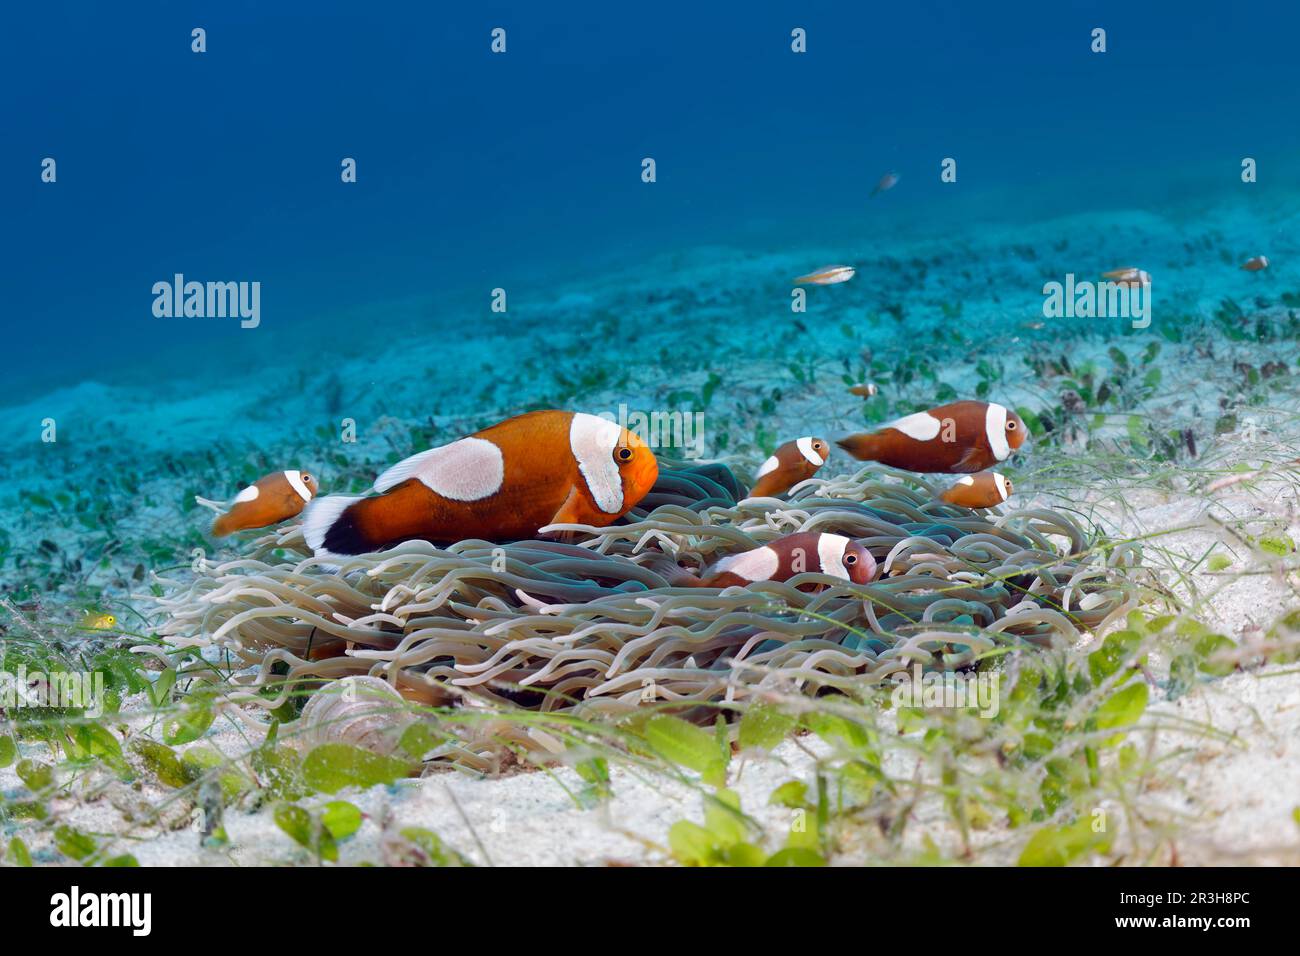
(594, 629)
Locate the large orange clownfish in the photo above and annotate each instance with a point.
(503, 483)
(267, 501)
(960, 437)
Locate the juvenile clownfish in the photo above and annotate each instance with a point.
(960, 437)
(887, 182)
(1128, 276)
(1256, 264)
(806, 551)
(864, 390)
(267, 501)
(507, 482)
(792, 463)
(827, 275)
(985, 490)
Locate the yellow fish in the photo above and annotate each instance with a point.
(96, 621)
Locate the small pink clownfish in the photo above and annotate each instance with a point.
(817, 552)
(1257, 264)
(984, 490)
(827, 275)
(960, 437)
(267, 501)
(790, 464)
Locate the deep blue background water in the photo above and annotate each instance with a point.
(478, 170)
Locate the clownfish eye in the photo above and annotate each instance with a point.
(1011, 426)
(306, 477)
(850, 559)
(623, 453)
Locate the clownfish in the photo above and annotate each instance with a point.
(827, 275)
(506, 482)
(985, 490)
(805, 551)
(1256, 264)
(960, 437)
(267, 501)
(792, 463)
(864, 390)
(1128, 276)
(887, 182)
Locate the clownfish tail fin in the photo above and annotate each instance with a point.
(862, 446)
(329, 527)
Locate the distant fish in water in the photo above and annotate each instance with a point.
(1128, 276)
(1032, 326)
(827, 275)
(792, 463)
(98, 621)
(864, 389)
(269, 500)
(805, 552)
(887, 182)
(960, 437)
(984, 490)
(506, 482)
(1257, 264)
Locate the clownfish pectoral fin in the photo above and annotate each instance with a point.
(968, 464)
(569, 513)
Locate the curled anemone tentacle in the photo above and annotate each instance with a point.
(596, 628)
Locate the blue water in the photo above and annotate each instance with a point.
(522, 170)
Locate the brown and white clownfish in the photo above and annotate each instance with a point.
(503, 483)
(960, 437)
(792, 463)
(1255, 264)
(800, 553)
(267, 501)
(985, 490)
(1128, 276)
(864, 390)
